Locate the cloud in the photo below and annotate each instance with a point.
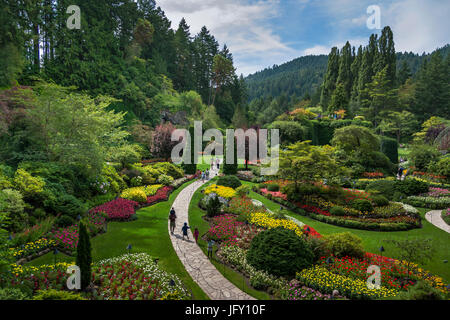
(317, 50)
(242, 25)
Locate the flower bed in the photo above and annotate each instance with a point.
(265, 220)
(446, 216)
(118, 209)
(148, 190)
(373, 175)
(221, 191)
(66, 238)
(135, 277)
(438, 193)
(297, 292)
(242, 205)
(428, 202)
(32, 248)
(161, 195)
(325, 281)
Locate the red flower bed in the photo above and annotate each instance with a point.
(161, 195)
(313, 209)
(312, 232)
(373, 175)
(120, 209)
(225, 230)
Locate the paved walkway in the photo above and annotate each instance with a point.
(434, 217)
(202, 271)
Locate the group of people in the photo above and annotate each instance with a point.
(184, 230)
(215, 163)
(402, 173)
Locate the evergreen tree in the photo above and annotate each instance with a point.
(230, 169)
(404, 73)
(84, 256)
(183, 77)
(386, 55)
(329, 84)
(345, 73)
(191, 168)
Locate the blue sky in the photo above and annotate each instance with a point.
(261, 33)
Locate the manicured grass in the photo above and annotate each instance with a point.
(373, 240)
(149, 234)
(196, 221)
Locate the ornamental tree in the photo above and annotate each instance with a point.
(84, 256)
(162, 144)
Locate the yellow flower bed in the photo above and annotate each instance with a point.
(19, 269)
(32, 247)
(221, 191)
(140, 194)
(435, 281)
(325, 281)
(264, 220)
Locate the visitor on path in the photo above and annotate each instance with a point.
(203, 176)
(196, 234)
(185, 229)
(207, 174)
(173, 219)
(400, 173)
(212, 163)
(218, 164)
(210, 248)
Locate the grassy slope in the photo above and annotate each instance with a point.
(196, 221)
(149, 233)
(374, 240)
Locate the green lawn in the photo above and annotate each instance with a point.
(196, 221)
(149, 233)
(373, 240)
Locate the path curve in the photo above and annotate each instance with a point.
(434, 217)
(202, 271)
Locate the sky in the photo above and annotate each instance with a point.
(261, 33)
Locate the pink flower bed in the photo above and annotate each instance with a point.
(66, 238)
(438, 192)
(276, 194)
(225, 230)
(313, 209)
(118, 209)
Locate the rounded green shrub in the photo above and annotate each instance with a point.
(362, 205)
(411, 187)
(273, 187)
(384, 187)
(344, 245)
(229, 181)
(165, 180)
(280, 252)
(12, 294)
(69, 205)
(380, 201)
(337, 211)
(64, 221)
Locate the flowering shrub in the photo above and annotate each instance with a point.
(135, 277)
(32, 248)
(147, 190)
(221, 191)
(428, 202)
(276, 194)
(242, 205)
(120, 209)
(325, 281)
(446, 216)
(438, 192)
(297, 292)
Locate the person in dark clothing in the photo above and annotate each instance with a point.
(185, 229)
(173, 219)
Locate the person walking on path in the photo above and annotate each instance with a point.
(173, 219)
(212, 163)
(203, 176)
(210, 248)
(207, 174)
(196, 234)
(185, 229)
(218, 164)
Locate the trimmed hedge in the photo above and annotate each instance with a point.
(389, 147)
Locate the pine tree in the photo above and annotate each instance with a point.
(183, 78)
(84, 256)
(345, 73)
(404, 73)
(386, 55)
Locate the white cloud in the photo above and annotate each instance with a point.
(244, 27)
(317, 50)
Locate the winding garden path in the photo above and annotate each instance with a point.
(202, 271)
(434, 217)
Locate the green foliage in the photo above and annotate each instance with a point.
(84, 256)
(297, 193)
(421, 156)
(243, 190)
(380, 201)
(28, 185)
(355, 138)
(12, 294)
(189, 149)
(337, 211)
(422, 290)
(390, 148)
(230, 169)
(441, 167)
(12, 204)
(53, 294)
(413, 250)
(362, 205)
(344, 244)
(279, 252)
(229, 181)
(273, 187)
(290, 131)
(69, 205)
(213, 206)
(64, 221)
(165, 180)
(169, 169)
(411, 187)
